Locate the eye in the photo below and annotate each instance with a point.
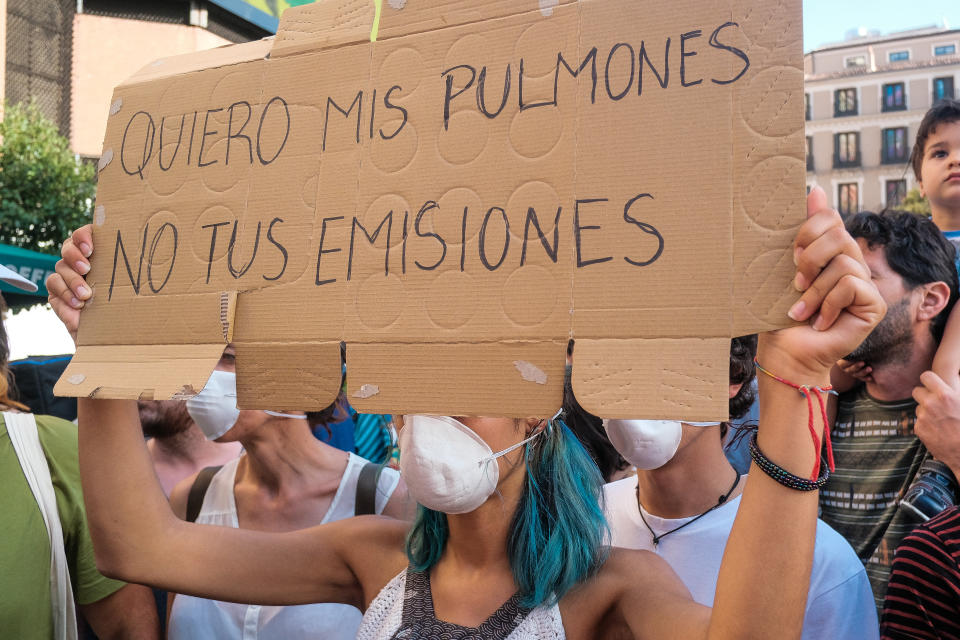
(938, 153)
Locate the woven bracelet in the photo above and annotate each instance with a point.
(783, 476)
(807, 392)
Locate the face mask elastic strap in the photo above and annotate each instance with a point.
(284, 415)
(511, 448)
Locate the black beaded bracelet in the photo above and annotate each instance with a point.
(783, 476)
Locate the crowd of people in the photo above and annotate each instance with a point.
(201, 520)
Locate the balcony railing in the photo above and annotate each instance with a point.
(845, 164)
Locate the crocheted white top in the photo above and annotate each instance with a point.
(404, 610)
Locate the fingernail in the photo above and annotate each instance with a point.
(76, 304)
(85, 248)
(796, 255)
(796, 311)
(82, 267)
(83, 292)
(819, 323)
(800, 282)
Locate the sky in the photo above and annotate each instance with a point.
(827, 21)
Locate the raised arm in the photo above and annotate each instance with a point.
(765, 574)
(138, 538)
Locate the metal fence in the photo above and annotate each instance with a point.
(39, 55)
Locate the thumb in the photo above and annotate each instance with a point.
(816, 201)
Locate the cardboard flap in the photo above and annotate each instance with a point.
(217, 57)
(400, 17)
(768, 163)
(294, 376)
(144, 372)
(515, 379)
(147, 320)
(322, 25)
(653, 379)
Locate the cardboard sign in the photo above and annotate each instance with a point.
(454, 189)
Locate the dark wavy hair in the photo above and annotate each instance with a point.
(590, 432)
(944, 112)
(742, 372)
(6, 401)
(915, 249)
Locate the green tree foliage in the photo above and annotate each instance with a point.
(45, 191)
(915, 203)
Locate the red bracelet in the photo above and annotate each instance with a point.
(807, 392)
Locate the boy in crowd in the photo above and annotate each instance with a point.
(674, 511)
(923, 595)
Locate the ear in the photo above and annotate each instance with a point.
(934, 297)
(735, 389)
(530, 424)
(923, 191)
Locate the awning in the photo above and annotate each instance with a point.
(32, 265)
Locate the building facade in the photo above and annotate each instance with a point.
(865, 99)
(68, 55)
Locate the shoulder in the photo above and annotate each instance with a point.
(373, 547)
(57, 435)
(940, 534)
(179, 495)
(631, 584)
(620, 487)
(832, 551)
(618, 496)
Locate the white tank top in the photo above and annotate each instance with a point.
(399, 612)
(193, 618)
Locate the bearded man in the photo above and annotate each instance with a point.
(876, 451)
(177, 446)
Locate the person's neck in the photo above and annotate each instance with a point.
(895, 380)
(478, 539)
(284, 457)
(691, 482)
(191, 447)
(946, 218)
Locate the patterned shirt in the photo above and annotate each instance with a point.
(877, 456)
(923, 600)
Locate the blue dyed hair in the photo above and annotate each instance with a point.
(556, 537)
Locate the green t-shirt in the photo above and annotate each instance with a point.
(25, 603)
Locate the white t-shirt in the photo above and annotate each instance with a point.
(839, 605)
(201, 618)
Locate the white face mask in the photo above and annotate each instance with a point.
(215, 408)
(448, 467)
(646, 444)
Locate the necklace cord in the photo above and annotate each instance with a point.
(657, 538)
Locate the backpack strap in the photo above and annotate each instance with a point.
(198, 490)
(366, 500)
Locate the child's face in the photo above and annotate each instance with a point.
(940, 170)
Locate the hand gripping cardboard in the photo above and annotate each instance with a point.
(454, 189)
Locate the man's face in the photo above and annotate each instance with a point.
(940, 170)
(892, 339)
(163, 418)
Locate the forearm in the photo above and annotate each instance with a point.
(127, 614)
(765, 575)
(126, 509)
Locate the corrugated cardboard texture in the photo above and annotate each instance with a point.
(455, 200)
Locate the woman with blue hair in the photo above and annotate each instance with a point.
(508, 542)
